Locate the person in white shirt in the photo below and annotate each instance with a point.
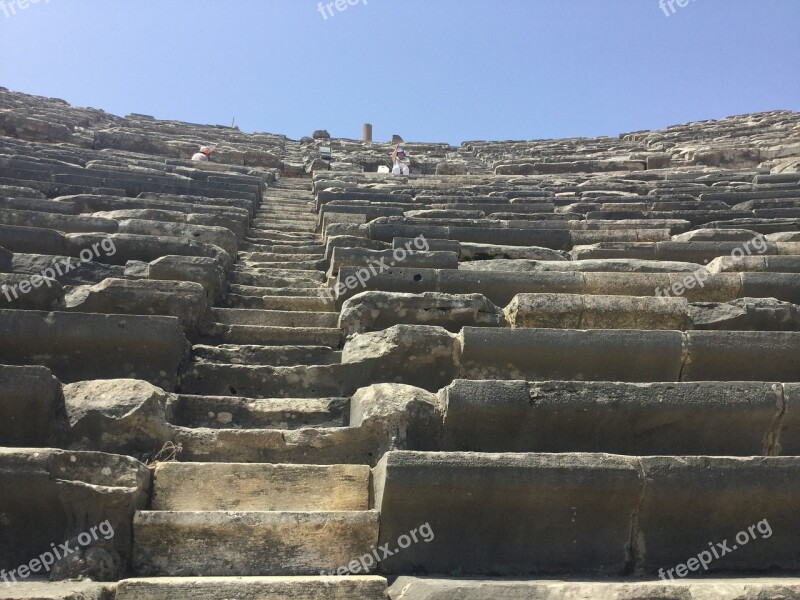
(401, 161)
(203, 155)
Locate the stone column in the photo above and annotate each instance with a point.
(366, 132)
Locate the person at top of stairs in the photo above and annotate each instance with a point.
(401, 161)
(203, 155)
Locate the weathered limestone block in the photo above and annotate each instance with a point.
(573, 311)
(504, 514)
(70, 271)
(451, 168)
(32, 129)
(414, 354)
(317, 164)
(403, 417)
(476, 252)
(371, 311)
(691, 502)
(412, 588)
(622, 265)
(124, 416)
(83, 347)
(260, 487)
(260, 158)
(62, 590)
(629, 355)
(31, 407)
(710, 418)
(246, 544)
(126, 139)
(742, 356)
(18, 192)
(750, 314)
(6, 260)
(594, 355)
(31, 239)
(346, 241)
(717, 235)
(198, 269)
(786, 236)
(139, 247)
(217, 236)
(54, 496)
(384, 259)
(58, 222)
(358, 587)
(29, 292)
(697, 286)
(237, 226)
(185, 300)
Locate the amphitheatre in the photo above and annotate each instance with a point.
(563, 368)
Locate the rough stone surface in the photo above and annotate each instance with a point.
(388, 355)
(57, 495)
(31, 407)
(371, 311)
(117, 415)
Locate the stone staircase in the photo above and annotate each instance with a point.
(548, 369)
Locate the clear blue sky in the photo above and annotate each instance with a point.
(432, 70)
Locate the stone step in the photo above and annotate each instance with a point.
(230, 412)
(296, 265)
(708, 588)
(268, 382)
(220, 333)
(250, 588)
(501, 287)
(64, 590)
(243, 271)
(265, 220)
(588, 514)
(201, 487)
(300, 303)
(274, 235)
(269, 257)
(706, 418)
(267, 355)
(285, 246)
(276, 278)
(275, 318)
(193, 544)
(299, 248)
(629, 355)
(253, 291)
(261, 225)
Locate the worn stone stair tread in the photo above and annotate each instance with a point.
(226, 412)
(266, 355)
(275, 318)
(367, 587)
(707, 588)
(58, 590)
(273, 335)
(243, 487)
(212, 543)
(283, 291)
